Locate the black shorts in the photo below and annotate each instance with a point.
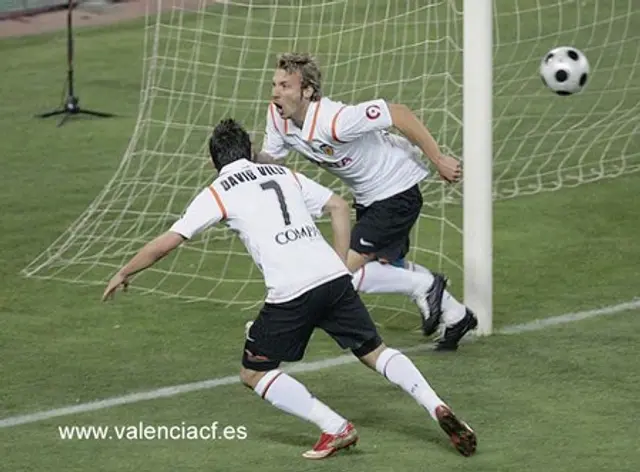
(282, 331)
(383, 228)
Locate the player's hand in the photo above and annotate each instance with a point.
(449, 169)
(118, 280)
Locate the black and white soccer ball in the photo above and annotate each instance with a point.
(565, 70)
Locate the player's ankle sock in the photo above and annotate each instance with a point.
(452, 310)
(289, 395)
(375, 277)
(399, 369)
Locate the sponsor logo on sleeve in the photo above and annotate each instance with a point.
(373, 112)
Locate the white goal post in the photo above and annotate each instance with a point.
(477, 152)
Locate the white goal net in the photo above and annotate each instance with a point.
(207, 60)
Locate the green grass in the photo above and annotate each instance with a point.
(564, 397)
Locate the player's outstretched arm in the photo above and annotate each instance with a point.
(405, 121)
(338, 209)
(151, 253)
(204, 211)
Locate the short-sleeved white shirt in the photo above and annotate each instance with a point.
(273, 210)
(351, 142)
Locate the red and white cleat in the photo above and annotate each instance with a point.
(329, 444)
(461, 435)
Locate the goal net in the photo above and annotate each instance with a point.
(206, 60)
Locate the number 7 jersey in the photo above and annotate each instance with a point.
(273, 210)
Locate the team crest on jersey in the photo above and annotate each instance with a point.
(328, 150)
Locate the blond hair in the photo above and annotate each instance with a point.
(308, 67)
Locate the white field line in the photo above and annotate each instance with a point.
(294, 368)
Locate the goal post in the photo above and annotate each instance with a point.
(477, 152)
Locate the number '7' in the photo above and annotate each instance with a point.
(273, 185)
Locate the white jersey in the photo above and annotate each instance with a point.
(273, 210)
(351, 142)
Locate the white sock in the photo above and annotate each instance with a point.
(374, 277)
(289, 395)
(399, 369)
(452, 310)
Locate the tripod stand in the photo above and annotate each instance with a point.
(71, 105)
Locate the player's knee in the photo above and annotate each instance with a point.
(371, 359)
(368, 353)
(249, 377)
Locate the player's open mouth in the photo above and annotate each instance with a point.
(278, 108)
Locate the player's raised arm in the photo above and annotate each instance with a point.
(353, 121)
(320, 201)
(405, 121)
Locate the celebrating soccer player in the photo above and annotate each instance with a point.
(382, 170)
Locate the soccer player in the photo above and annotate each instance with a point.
(308, 286)
(382, 170)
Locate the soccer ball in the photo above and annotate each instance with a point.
(565, 70)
